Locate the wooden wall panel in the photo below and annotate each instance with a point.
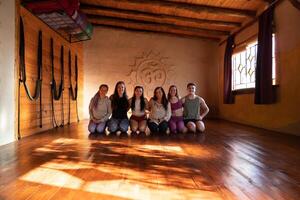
(30, 110)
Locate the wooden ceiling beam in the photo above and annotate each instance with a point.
(170, 8)
(162, 19)
(196, 2)
(152, 27)
(161, 33)
(162, 26)
(274, 4)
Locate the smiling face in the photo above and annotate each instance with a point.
(121, 89)
(191, 89)
(103, 91)
(158, 93)
(173, 91)
(138, 92)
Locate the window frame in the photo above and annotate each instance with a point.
(242, 47)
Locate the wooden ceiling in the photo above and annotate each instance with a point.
(211, 19)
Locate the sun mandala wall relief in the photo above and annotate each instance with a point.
(151, 70)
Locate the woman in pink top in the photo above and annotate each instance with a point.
(176, 123)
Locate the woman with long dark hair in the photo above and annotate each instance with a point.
(160, 111)
(119, 102)
(138, 104)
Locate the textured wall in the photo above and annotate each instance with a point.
(284, 115)
(7, 71)
(150, 60)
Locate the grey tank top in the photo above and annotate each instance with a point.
(191, 108)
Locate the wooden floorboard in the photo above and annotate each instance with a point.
(229, 161)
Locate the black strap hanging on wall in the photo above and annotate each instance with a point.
(73, 93)
(62, 85)
(22, 73)
(62, 82)
(40, 72)
(22, 77)
(57, 95)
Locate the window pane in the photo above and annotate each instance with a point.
(244, 65)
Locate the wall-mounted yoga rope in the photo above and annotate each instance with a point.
(73, 93)
(57, 95)
(22, 73)
(56, 91)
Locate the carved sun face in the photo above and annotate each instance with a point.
(151, 70)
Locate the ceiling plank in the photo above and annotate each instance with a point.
(249, 4)
(158, 26)
(129, 24)
(170, 8)
(164, 19)
(161, 33)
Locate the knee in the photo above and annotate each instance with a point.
(101, 127)
(202, 129)
(191, 126)
(142, 127)
(153, 127)
(163, 127)
(200, 126)
(133, 128)
(123, 128)
(172, 126)
(181, 127)
(124, 125)
(112, 126)
(92, 127)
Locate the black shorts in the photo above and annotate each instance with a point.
(186, 121)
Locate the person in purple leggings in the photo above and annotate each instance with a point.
(176, 123)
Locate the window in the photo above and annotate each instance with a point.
(244, 64)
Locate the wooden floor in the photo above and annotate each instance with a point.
(229, 161)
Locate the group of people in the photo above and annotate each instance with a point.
(162, 113)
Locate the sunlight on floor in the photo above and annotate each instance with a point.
(133, 186)
(165, 148)
(52, 177)
(69, 144)
(135, 190)
(112, 168)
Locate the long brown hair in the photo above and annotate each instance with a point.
(164, 98)
(115, 96)
(134, 98)
(169, 93)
